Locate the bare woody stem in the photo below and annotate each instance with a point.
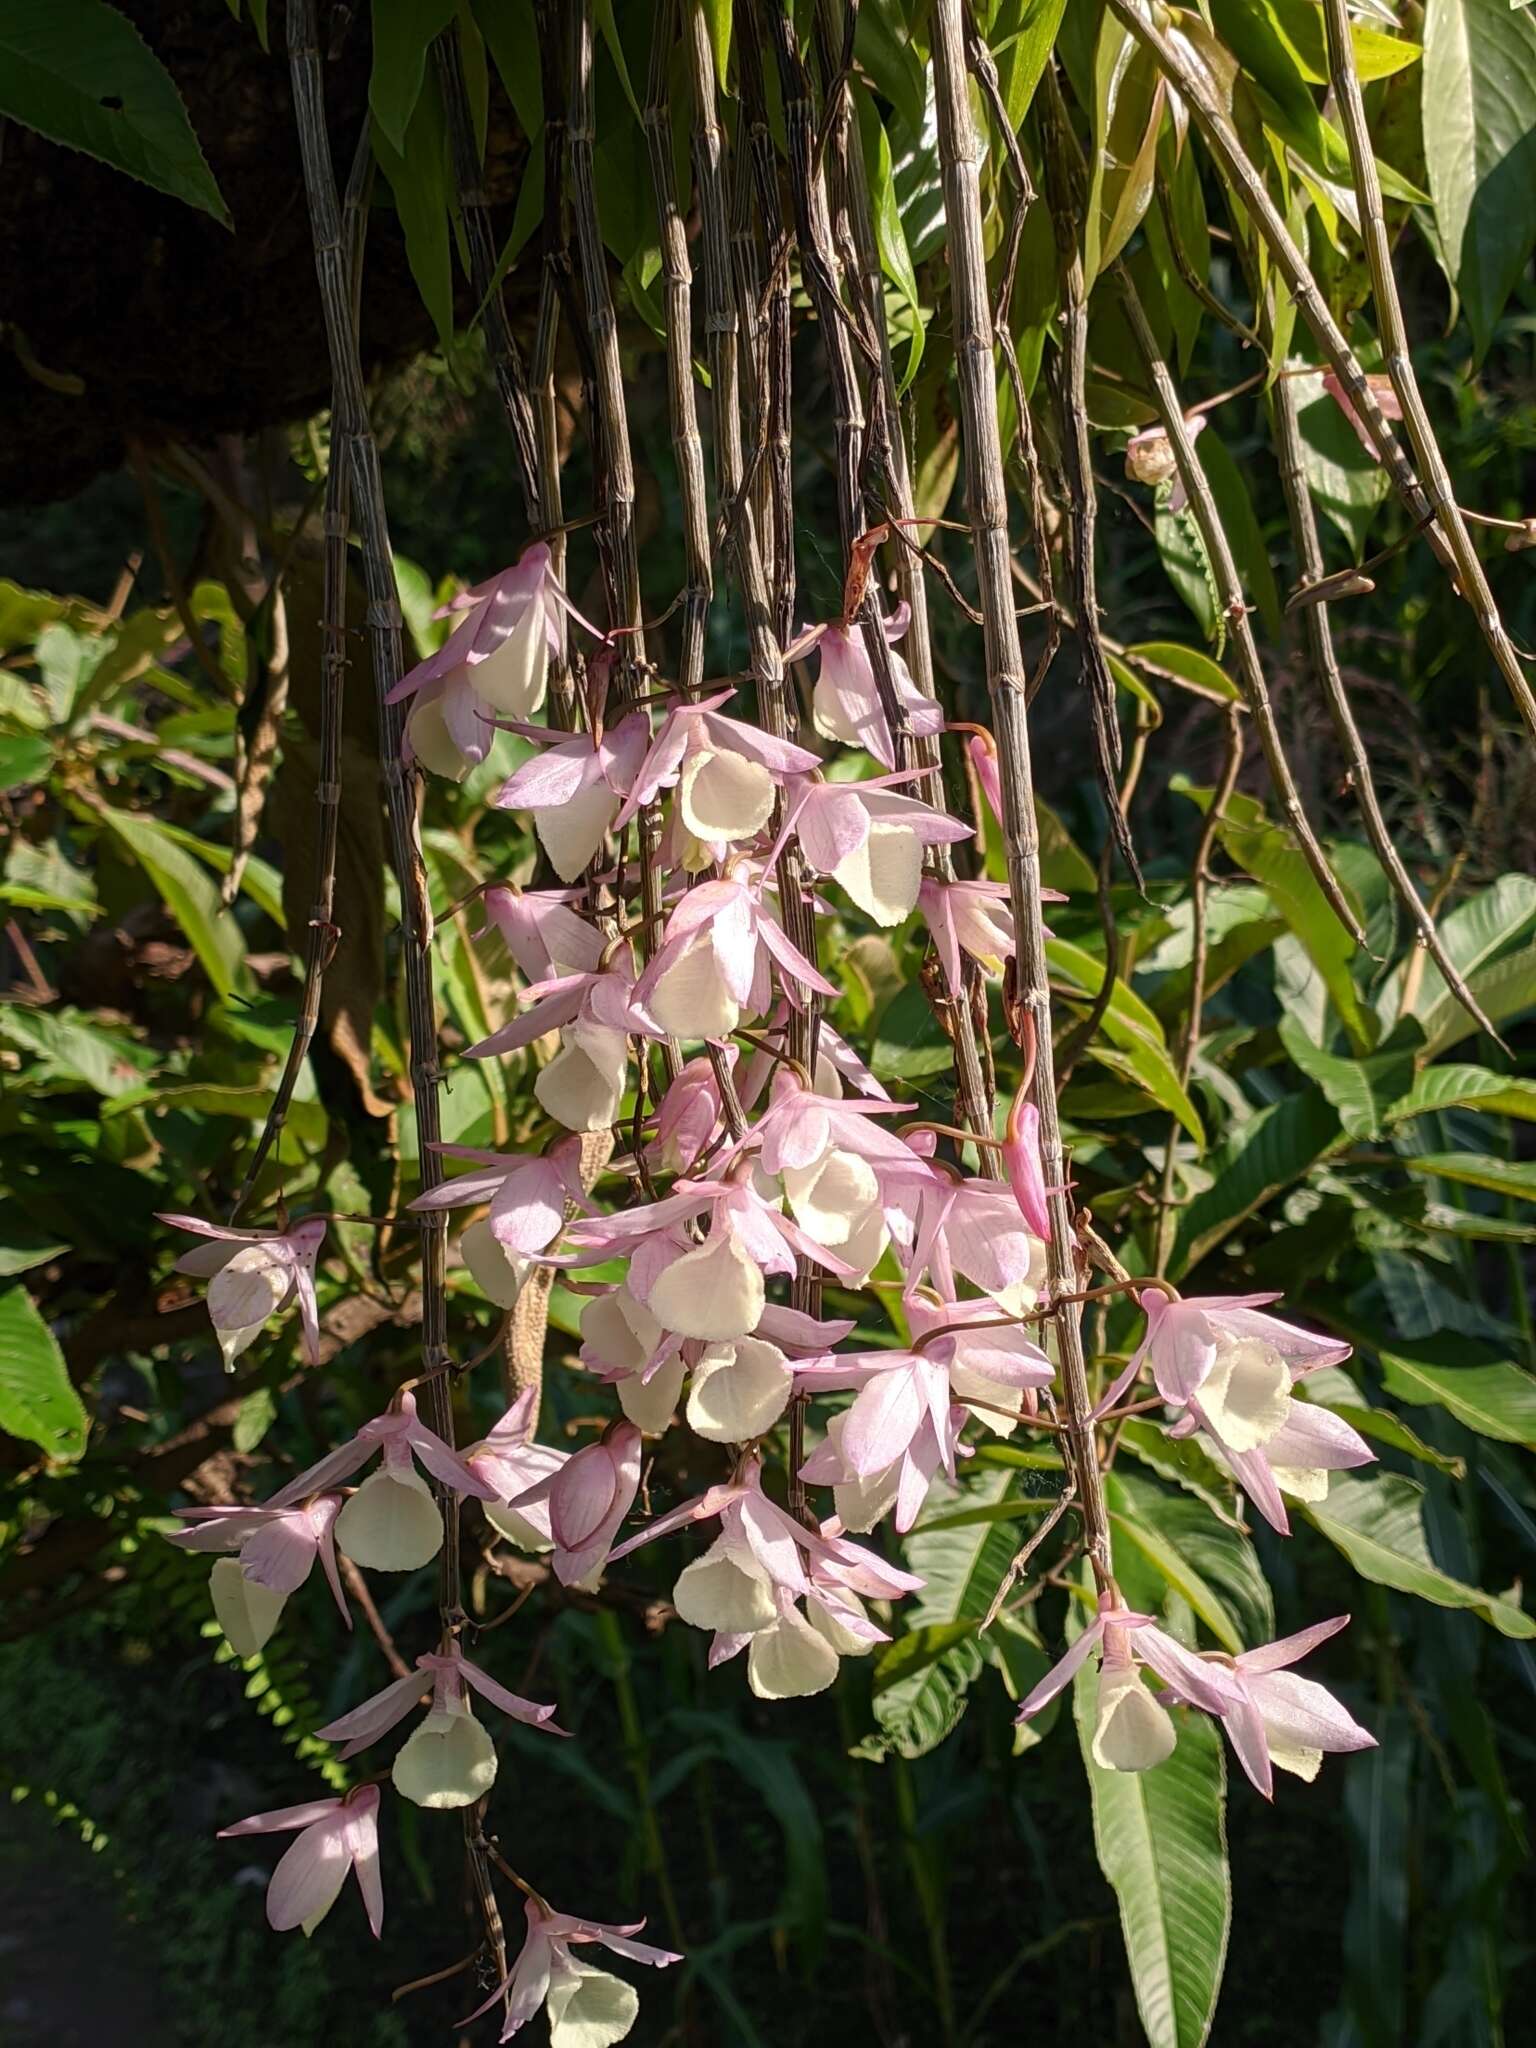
(1229, 591)
(1447, 533)
(987, 496)
(324, 934)
(1325, 667)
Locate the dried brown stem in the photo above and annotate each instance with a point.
(1006, 681)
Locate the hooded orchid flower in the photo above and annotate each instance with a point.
(869, 839)
(1186, 1340)
(277, 1550)
(587, 2007)
(543, 933)
(845, 704)
(689, 1115)
(528, 1194)
(1276, 1720)
(510, 1463)
(1387, 404)
(1133, 1731)
(839, 1168)
(733, 1588)
(338, 1835)
(1150, 459)
(727, 774)
(449, 1760)
(598, 995)
(974, 1228)
(715, 1290)
(587, 1500)
(251, 1275)
(862, 1500)
(967, 917)
(906, 1395)
(392, 1523)
(574, 789)
(797, 1654)
(495, 663)
(713, 963)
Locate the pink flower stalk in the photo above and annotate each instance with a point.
(845, 704)
(574, 789)
(726, 774)
(252, 1274)
(1387, 404)
(587, 1500)
(983, 759)
(494, 664)
(1134, 1732)
(544, 935)
(528, 1194)
(338, 1835)
(586, 2005)
(449, 1761)
(869, 839)
(713, 964)
(1276, 1719)
(1149, 459)
(1021, 1164)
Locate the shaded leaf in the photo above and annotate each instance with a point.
(1379, 1526)
(37, 1401)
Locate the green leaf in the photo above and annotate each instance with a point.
(1363, 1090)
(893, 64)
(1207, 1561)
(1129, 97)
(1022, 35)
(1348, 483)
(1497, 1400)
(603, 13)
(1480, 147)
(1244, 534)
(512, 37)
(71, 1048)
(37, 1401)
(1187, 565)
(25, 759)
(403, 33)
(1267, 851)
(1270, 1151)
(1187, 666)
(254, 1417)
(418, 178)
(920, 1682)
(1501, 1176)
(1503, 990)
(717, 13)
(188, 892)
(1300, 22)
(1473, 934)
(890, 236)
(1465, 1087)
(1379, 1526)
(1161, 1840)
(80, 73)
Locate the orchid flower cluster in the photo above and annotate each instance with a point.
(748, 1171)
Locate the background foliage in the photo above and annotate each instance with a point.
(893, 1861)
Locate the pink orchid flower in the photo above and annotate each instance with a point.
(689, 1116)
(797, 1653)
(1387, 404)
(983, 759)
(967, 917)
(587, 1500)
(585, 2004)
(449, 1760)
(713, 964)
(574, 789)
(598, 997)
(338, 1835)
(727, 775)
(1133, 1732)
(1186, 1339)
(1149, 458)
(869, 839)
(902, 1393)
(511, 1463)
(972, 1228)
(845, 704)
(861, 1499)
(252, 1274)
(544, 935)
(393, 1522)
(733, 1587)
(1277, 1719)
(494, 663)
(528, 1195)
(277, 1548)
